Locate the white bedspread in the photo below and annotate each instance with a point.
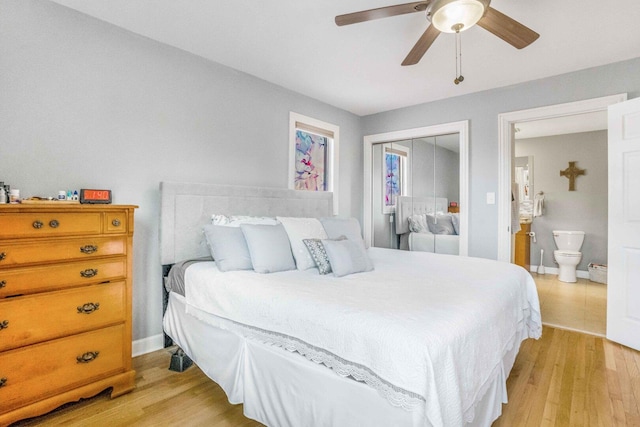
(422, 328)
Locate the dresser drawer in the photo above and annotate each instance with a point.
(42, 370)
(116, 222)
(28, 280)
(41, 224)
(36, 318)
(15, 254)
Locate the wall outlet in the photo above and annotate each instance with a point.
(491, 198)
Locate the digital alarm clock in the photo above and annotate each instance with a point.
(95, 196)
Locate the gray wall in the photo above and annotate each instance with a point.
(584, 209)
(482, 109)
(85, 104)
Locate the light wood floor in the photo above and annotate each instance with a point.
(563, 379)
(580, 306)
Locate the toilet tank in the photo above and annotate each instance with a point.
(568, 240)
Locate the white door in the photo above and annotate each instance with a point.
(623, 292)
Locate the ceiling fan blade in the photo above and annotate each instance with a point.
(507, 29)
(421, 47)
(382, 12)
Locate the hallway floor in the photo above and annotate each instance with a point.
(580, 306)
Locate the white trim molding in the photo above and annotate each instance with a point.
(147, 345)
(506, 122)
(332, 153)
(462, 128)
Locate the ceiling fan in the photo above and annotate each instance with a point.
(449, 16)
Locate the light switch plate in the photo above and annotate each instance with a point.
(491, 198)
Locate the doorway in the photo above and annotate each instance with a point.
(507, 127)
(541, 149)
(506, 137)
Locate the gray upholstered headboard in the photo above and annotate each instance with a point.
(186, 208)
(407, 206)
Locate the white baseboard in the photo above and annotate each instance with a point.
(147, 345)
(552, 270)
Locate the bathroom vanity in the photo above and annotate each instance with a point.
(523, 246)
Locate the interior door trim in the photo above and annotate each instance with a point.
(506, 122)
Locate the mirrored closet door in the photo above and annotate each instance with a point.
(415, 194)
(427, 174)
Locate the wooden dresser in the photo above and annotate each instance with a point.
(65, 305)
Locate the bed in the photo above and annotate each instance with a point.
(373, 349)
(424, 240)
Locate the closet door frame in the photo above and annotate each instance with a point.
(462, 128)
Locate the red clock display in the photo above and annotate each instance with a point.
(95, 196)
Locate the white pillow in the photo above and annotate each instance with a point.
(237, 220)
(347, 257)
(418, 223)
(347, 227)
(299, 229)
(228, 247)
(269, 248)
(440, 224)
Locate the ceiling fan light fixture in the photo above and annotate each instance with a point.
(456, 15)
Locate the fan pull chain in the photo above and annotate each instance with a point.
(459, 77)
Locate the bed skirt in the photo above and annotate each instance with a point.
(279, 388)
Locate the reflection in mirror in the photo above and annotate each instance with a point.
(391, 166)
(416, 188)
(523, 174)
(447, 191)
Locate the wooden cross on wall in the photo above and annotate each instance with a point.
(572, 172)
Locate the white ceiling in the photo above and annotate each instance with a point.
(296, 44)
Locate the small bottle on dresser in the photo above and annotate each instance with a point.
(3, 193)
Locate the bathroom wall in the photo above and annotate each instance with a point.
(584, 209)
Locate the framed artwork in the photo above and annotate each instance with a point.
(392, 180)
(395, 179)
(313, 155)
(310, 162)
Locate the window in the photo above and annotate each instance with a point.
(395, 175)
(313, 155)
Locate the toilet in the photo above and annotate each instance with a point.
(568, 254)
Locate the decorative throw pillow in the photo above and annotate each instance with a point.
(269, 247)
(418, 223)
(299, 229)
(319, 255)
(349, 227)
(440, 224)
(228, 247)
(347, 257)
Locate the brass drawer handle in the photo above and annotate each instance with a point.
(116, 222)
(54, 223)
(88, 249)
(3, 283)
(88, 308)
(4, 324)
(89, 356)
(37, 224)
(3, 381)
(89, 272)
(3, 255)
